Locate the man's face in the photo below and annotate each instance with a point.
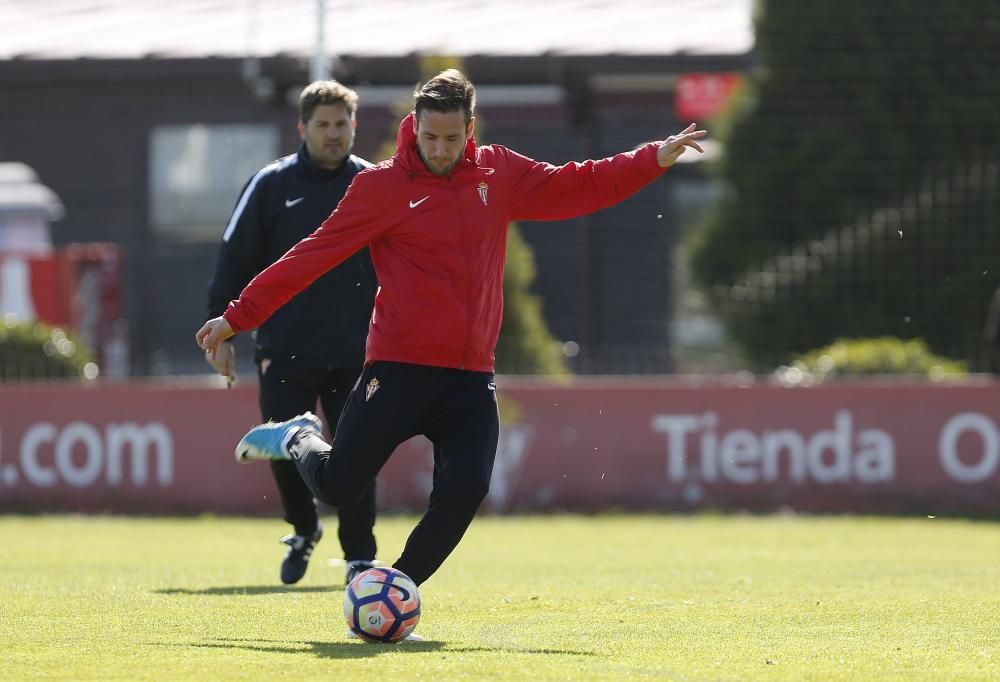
(441, 138)
(329, 135)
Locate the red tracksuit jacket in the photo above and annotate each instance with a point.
(438, 244)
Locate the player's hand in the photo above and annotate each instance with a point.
(211, 334)
(224, 361)
(675, 145)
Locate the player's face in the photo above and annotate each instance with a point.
(441, 138)
(329, 135)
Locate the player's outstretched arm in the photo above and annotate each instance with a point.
(541, 191)
(675, 145)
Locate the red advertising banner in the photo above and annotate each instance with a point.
(587, 445)
(699, 96)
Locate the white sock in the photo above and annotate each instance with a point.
(304, 442)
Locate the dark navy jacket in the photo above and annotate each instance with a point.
(325, 325)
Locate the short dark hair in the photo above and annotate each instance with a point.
(326, 92)
(448, 91)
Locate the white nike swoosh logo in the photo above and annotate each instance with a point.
(414, 204)
(291, 202)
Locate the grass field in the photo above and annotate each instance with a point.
(539, 598)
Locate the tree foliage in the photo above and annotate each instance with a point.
(863, 163)
(526, 346)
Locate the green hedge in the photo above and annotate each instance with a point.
(36, 351)
(879, 356)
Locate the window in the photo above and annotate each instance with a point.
(196, 174)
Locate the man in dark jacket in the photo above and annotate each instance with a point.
(435, 217)
(311, 348)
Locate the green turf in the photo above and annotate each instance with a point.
(608, 597)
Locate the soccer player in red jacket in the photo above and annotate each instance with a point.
(435, 219)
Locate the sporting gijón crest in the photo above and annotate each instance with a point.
(483, 189)
(373, 386)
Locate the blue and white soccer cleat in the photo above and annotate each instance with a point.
(276, 440)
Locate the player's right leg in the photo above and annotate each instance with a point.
(383, 410)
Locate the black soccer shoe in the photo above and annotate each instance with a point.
(356, 567)
(296, 561)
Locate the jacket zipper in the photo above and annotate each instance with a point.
(465, 256)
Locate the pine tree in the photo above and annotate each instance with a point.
(863, 163)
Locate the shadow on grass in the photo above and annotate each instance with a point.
(353, 649)
(247, 589)
(358, 649)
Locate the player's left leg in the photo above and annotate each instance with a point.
(465, 430)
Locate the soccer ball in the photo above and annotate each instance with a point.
(382, 605)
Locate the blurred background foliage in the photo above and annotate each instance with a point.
(37, 351)
(858, 357)
(862, 169)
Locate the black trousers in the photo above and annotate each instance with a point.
(455, 409)
(287, 390)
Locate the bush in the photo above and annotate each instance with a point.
(854, 357)
(36, 351)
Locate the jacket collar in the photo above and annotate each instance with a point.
(408, 157)
(316, 171)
